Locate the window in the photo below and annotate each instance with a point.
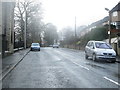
(92, 45)
(115, 14)
(89, 44)
(35, 44)
(103, 45)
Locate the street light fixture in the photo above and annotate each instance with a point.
(109, 32)
(75, 28)
(107, 9)
(75, 32)
(25, 27)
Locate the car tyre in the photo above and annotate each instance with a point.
(113, 61)
(94, 57)
(86, 56)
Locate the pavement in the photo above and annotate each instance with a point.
(61, 68)
(118, 59)
(10, 61)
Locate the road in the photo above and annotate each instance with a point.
(62, 68)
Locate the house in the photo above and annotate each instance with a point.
(98, 23)
(0, 28)
(115, 16)
(115, 20)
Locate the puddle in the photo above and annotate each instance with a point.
(95, 66)
(59, 60)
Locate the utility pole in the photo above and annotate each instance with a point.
(25, 27)
(75, 27)
(75, 32)
(109, 32)
(109, 28)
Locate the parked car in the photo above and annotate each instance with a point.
(100, 50)
(55, 46)
(35, 46)
(50, 45)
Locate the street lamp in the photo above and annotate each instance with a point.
(75, 28)
(75, 32)
(109, 32)
(25, 27)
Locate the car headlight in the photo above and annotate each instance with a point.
(114, 54)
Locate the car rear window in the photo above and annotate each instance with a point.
(35, 44)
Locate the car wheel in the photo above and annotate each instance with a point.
(86, 56)
(94, 57)
(113, 61)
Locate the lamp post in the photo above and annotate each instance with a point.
(75, 32)
(109, 32)
(25, 26)
(75, 28)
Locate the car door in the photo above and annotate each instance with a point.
(91, 50)
(88, 49)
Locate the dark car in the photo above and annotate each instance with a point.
(35, 46)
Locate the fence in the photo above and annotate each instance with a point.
(18, 44)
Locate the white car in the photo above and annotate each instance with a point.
(100, 50)
(35, 46)
(55, 46)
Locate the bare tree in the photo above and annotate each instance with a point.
(33, 18)
(51, 35)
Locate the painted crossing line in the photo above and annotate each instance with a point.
(111, 81)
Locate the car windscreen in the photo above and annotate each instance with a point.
(55, 44)
(35, 44)
(103, 45)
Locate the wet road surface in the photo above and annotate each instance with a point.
(62, 68)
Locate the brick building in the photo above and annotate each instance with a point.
(115, 20)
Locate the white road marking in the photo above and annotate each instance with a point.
(111, 81)
(74, 62)
(88, 69)
(81, 66)
(57, 58)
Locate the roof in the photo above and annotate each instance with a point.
(97, 41)
(100, 21)
(116, 8)
(113, 40)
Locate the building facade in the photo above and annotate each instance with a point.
(115, 16)
(115, 20)
(0, 28)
